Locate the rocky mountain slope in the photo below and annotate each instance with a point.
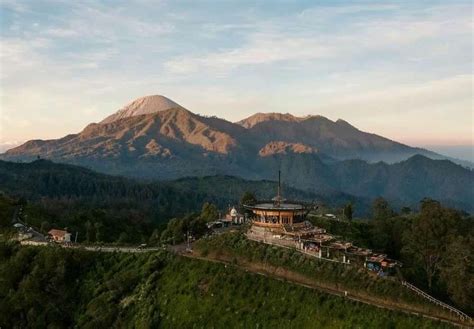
(156, 127)
(143, 105)
(154, 137)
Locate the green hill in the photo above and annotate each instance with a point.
(57, 288)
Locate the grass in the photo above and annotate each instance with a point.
(56, 288)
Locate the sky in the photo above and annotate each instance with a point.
(401, 69)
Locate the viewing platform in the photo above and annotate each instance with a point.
(283, 223)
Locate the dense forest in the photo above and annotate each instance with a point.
(104, 208)
(58, 288)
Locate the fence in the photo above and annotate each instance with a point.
(461, 315)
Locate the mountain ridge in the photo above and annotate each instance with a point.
(313, 152)
(338, 139)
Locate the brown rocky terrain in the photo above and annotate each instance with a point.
(154, 137)
(257, 118)
(157, 127)
(285, 148)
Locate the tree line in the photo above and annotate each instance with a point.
(435, 245)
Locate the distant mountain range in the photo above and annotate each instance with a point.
(154, 137)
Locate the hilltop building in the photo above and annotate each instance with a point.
(278, 213)
(284, 223)
(234, 216)
(61, 236)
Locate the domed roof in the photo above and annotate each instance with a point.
(233, 212)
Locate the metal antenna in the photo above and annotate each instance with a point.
(278, 198)
(279, 183)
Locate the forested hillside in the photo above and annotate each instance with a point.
(54, 287)
(116, 208)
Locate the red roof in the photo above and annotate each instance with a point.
(58, 233)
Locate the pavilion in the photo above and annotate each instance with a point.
(278, 212)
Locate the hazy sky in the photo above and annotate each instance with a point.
(399, 69)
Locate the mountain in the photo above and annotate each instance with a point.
(154, 137)
(168, 143)
(337, 139)
(143, 105)
(257, 118)
(155, 127)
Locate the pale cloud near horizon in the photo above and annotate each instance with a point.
(401, 70)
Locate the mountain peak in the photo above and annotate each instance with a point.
(262, 117)
(141, 106)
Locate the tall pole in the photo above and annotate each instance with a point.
(187, 236)
(279, 183)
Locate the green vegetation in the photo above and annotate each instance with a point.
(435, 246)
(57, 288)
(106, 209)
(336, 275)
(348, 211)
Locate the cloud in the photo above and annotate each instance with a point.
(404, 33)
(18, 55)
(93, 21)
(365, 63)
(15, 6)
(263, 49)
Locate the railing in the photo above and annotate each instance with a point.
(463, 316)
(269, 241)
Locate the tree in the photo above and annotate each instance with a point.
(45, 227)
(90, 232)
(198, 227)
(348, 211)
(406, 210)
(457, 271)
(209, 212)
(98, 231)
(175, 231)
(249, 199)
(381, 209)
(425, 242)
(123, 238)
(155, 237)
(380, 226)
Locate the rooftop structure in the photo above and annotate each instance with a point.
(278, 212)
(283, 223)
(60, 235)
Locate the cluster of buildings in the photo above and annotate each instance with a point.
(29, 236)
(277, 222)
(232, 217)
(283, 223)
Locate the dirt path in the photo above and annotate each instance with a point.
(283, 274)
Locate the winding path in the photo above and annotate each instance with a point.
(281, 274)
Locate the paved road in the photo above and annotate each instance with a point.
(127, 249)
